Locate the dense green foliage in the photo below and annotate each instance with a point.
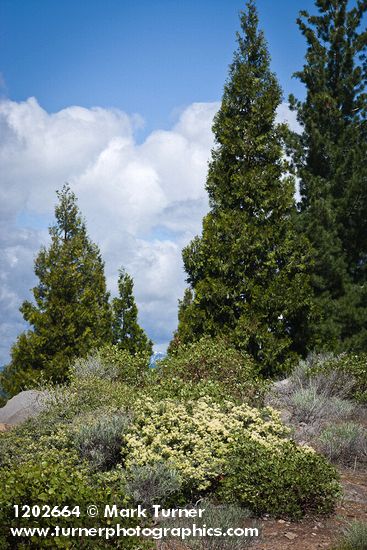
(50, 478)
(127, 334)
(131, 369)
(248, 270)
(195, 426)
(279, 477)
(213, 360)
(330, 161)
(71, 313)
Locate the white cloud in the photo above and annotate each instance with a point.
(142, 202)
(128, 193)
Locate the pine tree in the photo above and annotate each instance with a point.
(248, 269)
(331, 161)
(71, 314)
(127, 334)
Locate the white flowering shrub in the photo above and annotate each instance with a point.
(242, 454)
(194, 437)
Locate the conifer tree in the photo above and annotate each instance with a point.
(70, 314)
(248, 269)
(331, 161)
(127, 333)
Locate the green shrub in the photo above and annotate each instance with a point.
(65, 407)
(194, 437)
(3, 400)
(213, 360)
(98, 438)
(164, 387)
(56, 479)
(20, 444)
(279, 478)
(354, 537)
(152, 484)
(344, 443)
(131, 369)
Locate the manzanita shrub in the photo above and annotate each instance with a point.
(57, 478)
(213, 361)
(278, 477)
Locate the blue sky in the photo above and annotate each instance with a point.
(117, 98)
(152, 58)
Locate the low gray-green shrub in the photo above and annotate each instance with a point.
(99, 439)
(354, 537)
(83, 396)
(344, 443)
(309, 406)
(95, 366)
(152, 484)
(349, 368)
(214, 517)
(113, 364)
(317, 371)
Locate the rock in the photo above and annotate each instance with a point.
(291, 536)
(22, 406)
(4, 427)
(281, 521)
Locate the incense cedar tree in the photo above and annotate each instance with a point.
(127, 334)
(71, 314)
(248, 270)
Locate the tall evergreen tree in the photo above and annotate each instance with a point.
(127, 333)
(71, 313)
(331, 161)
(248, 270)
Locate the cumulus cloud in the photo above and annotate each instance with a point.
(142, 201)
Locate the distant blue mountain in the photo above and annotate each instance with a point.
(157, 355)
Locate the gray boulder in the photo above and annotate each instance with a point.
(22, 406)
